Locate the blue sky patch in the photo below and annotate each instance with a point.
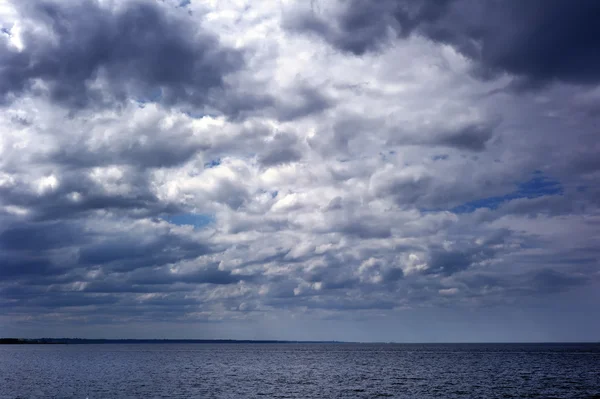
(197, 220)
(153, 96)
(212, 163)
(538, 186)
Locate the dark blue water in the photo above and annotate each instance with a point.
(299, 371)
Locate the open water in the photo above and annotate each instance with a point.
(300, 371)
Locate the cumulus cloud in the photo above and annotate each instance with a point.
(532, 49)
(89, 54)
(276, 171)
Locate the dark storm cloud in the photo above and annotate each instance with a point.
(140, 49)
(537, 40)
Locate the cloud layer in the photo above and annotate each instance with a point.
(328, 170)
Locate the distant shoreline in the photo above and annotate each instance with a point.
(80, 341)
(83, 341)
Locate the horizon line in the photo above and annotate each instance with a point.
(274, 341)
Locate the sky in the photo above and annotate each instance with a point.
(392, 170)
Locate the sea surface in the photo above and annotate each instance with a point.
(300, 371)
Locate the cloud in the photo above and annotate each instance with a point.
(207, 169)
(471, 137)
(282, 148)
(89, 54)
(45, 236)
(550, 40)
(549, 281)
(360, 26)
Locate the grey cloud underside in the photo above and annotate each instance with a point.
(54, 248)
(283, 148)
(538, 41)
(57, 204)
(123, 282)
(139, 50)
(468, 136)
(472, 137)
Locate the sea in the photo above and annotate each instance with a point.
(300, 371)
